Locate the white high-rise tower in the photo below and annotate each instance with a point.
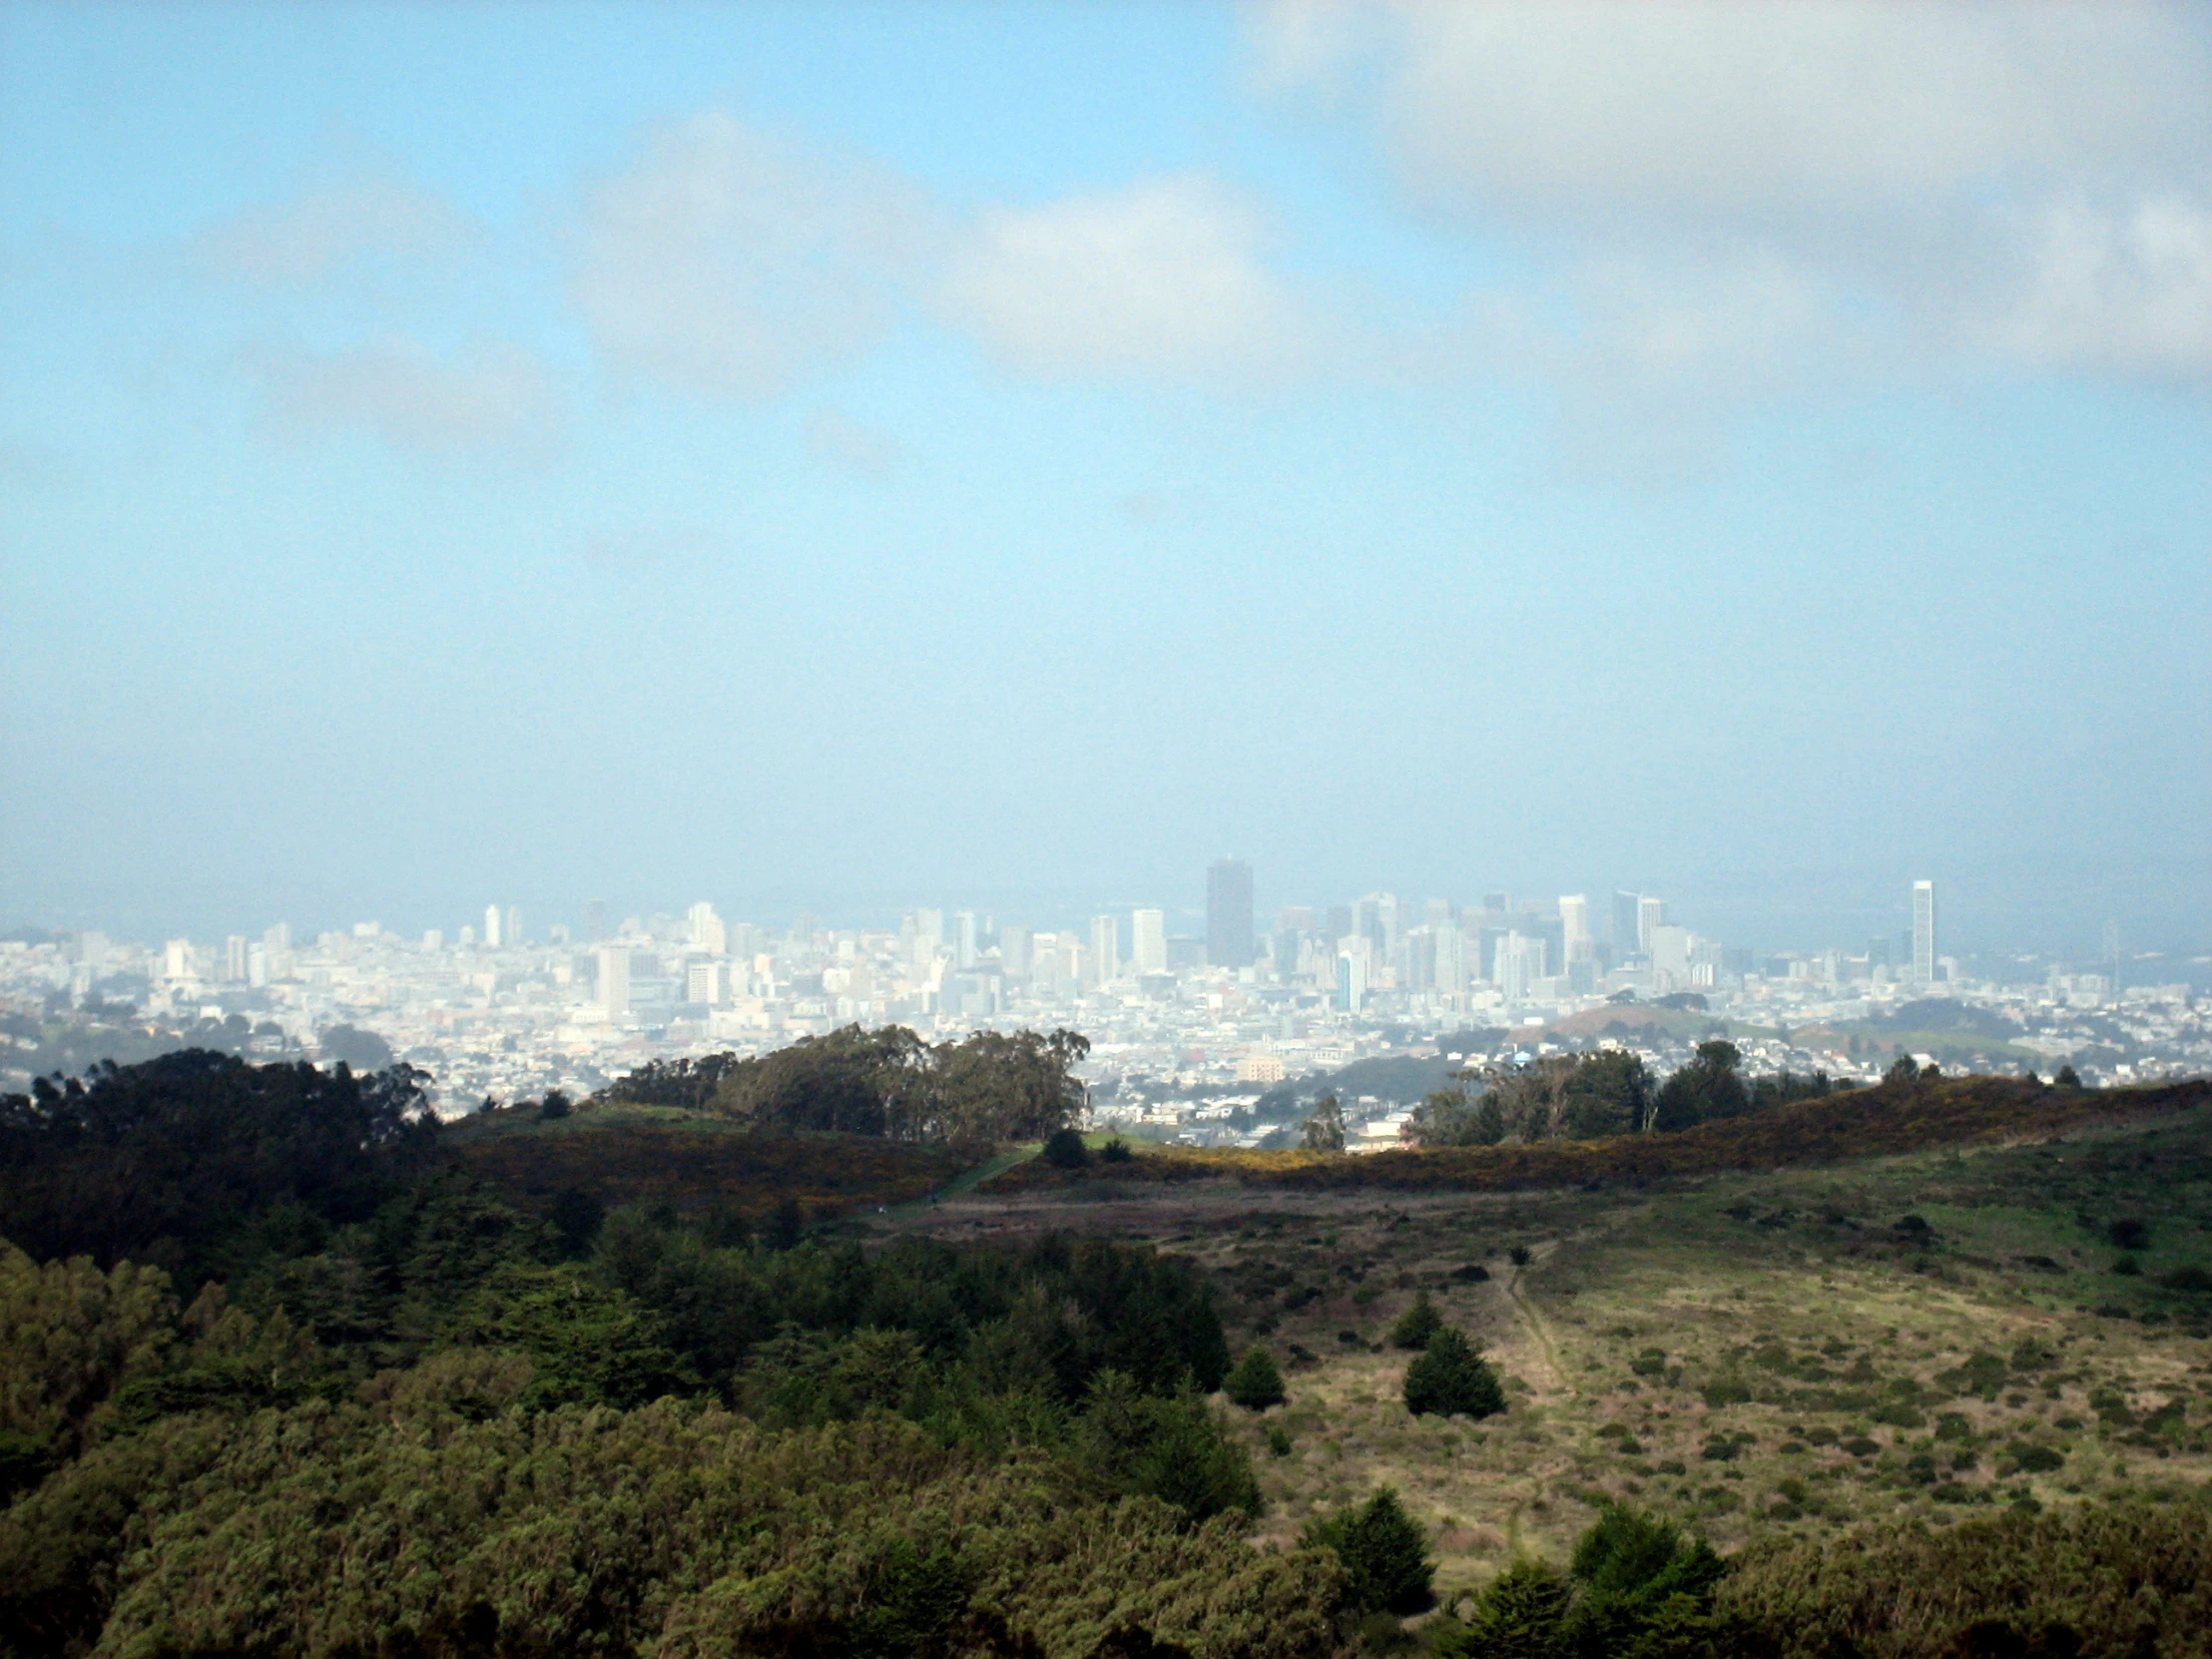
(1105, 949)
(707, 930)
(1148, 940)
(1924, 932)
(1574, 926)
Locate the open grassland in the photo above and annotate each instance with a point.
(1937, 1334)
(1827, 1130)
(690, 1161)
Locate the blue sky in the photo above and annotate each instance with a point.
(873, 455)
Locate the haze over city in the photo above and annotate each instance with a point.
(853, 458)
(946, 829)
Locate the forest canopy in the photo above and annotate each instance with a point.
(987, 1087)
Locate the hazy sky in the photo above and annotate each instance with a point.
(890, 454)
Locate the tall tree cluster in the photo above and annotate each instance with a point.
(991, 1086)
(1589, 1096)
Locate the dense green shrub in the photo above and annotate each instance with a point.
(1637, 1589)
(1064, 1149)
(1256, 1383)
(1385, 1554)
(1449, 1378)
(1416, 1325)
(677, 1530)
(2100, 1580)
(1521, 1615)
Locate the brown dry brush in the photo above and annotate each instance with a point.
(691, 1167)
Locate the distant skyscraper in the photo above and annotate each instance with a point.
(1626, 928)
(963, 939)
(706, 931)
(1651, 916)
(1351, 974)
(1105, 949)
(1014, 953)
(1148, 940)
(1450, 971)
(492, 920)
(511, 934)
(1574, 924)
(1229, 913)
(1374, 918)
(1519, 961)
(595, 919)
(704, 982)
(278, 937)
(614, 980)
(1924, 932)
(233, 959)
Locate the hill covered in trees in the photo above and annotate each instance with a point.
(990, 1087)
(287, 1368)
(606, 1431)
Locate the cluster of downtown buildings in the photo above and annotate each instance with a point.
(1179, 1022)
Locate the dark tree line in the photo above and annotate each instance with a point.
(924, 1420)
(1590, 1096)
(174, 1160)
(988, 1087)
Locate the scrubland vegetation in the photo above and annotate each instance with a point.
(285, 1369)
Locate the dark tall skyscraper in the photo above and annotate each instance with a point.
(1626, 928)
(1229, 913)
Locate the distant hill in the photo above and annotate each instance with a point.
(1401, 1079)
(1945, 1013)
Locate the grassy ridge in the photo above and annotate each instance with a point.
(1862, 1123)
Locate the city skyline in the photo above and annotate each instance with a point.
(1506, 939)
(1891, 915)
(838, 457)
(497, 1010)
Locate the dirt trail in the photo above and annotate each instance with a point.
(1537, 1329)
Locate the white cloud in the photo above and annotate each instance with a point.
(491, 397)
(1566, 109)
(727, 262)
(2128, 293)
(1887, 154)
(1164, 278)
(306, 239)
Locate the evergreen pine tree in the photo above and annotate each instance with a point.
(1449, 1378)
(1416, 1325)
(1523, 1615)
(1385, 1555)
(1254, 1382)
